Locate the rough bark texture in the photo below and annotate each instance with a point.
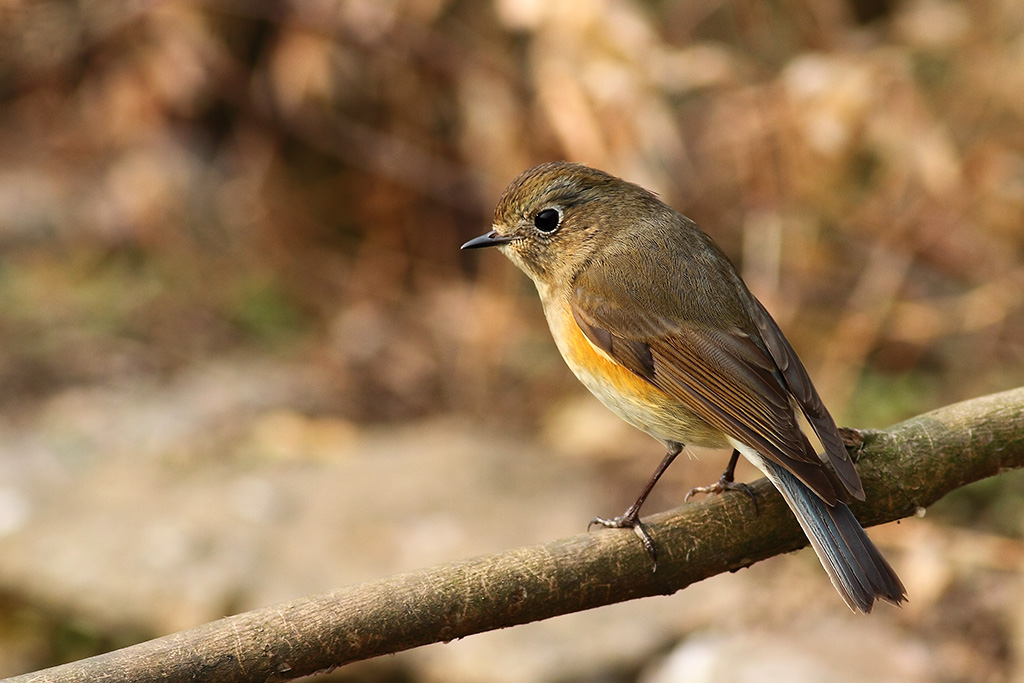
(904, 468)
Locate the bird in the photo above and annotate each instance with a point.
(653, 318)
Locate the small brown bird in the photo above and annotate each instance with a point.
(653, 318)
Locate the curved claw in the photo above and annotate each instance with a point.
(630, 521)
(721, 486)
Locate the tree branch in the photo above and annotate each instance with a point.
(904, 468)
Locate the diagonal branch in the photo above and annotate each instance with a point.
(904, 468)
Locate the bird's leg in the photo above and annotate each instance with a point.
(726, 482)
(630, 519)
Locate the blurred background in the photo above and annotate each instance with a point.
(243, 360)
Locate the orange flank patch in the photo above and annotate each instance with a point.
(595, 367)
(632, 398)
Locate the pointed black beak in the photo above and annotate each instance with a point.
(491, 239)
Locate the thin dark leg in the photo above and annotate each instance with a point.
(727, 482)
(630, 519)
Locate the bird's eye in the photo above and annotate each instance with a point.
(547, 220)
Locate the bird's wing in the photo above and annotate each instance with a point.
(806, 396)
(723, 375)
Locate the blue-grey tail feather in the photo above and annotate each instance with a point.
(855, 565)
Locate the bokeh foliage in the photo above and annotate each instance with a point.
(183, 179)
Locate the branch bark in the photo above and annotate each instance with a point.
(904, 468)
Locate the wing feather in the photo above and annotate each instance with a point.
(738, 381)
(806, 396)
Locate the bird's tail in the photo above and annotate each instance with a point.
(855, 565)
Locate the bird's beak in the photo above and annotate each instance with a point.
(491, 239)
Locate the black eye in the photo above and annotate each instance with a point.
(547, 220)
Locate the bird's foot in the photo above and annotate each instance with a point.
(630, 520)
(723, 484)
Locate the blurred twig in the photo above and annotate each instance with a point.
(904, 468)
